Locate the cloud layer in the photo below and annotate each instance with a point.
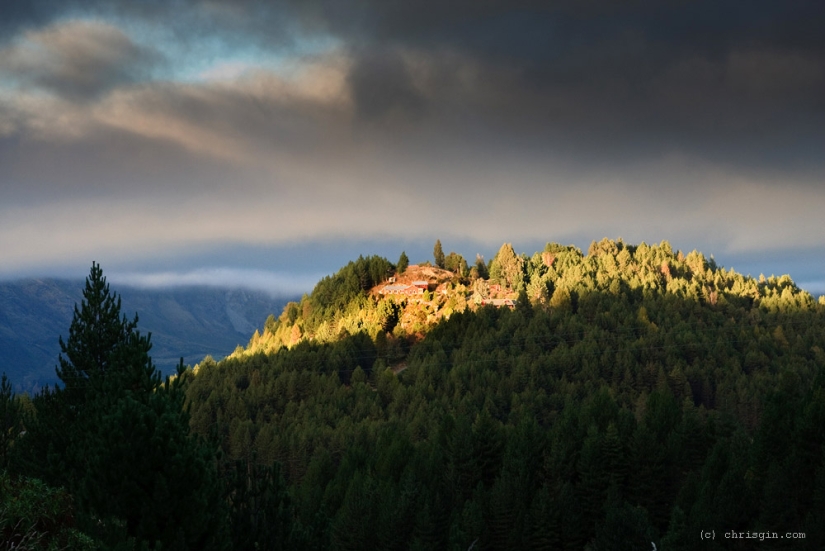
(129, 131)
(277, 284)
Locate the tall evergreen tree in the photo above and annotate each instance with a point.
(438, 254)
(96, 334)
(118, 439)
(260, 511)
(403, 262)
(9, 420)
(481, 267)
(508, 268)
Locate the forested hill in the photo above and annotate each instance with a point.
(353, 300)
(631, 395)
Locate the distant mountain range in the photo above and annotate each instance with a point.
(188, 322)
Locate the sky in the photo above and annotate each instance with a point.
(268, 143)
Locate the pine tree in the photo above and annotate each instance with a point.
(403, 262)
(118, 439)
(260, 509)
(9, 420)
(508, 268)
(623, 527)
(481, 267)
(438, 254)
(354, 526)
(97, 332)
(455, 263)
(545, 531)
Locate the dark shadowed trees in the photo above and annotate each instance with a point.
(10, 420)
(117, 437)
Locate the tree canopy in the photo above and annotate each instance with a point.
(117, 437)
(634, 395)
(403, 262)
(438, 254)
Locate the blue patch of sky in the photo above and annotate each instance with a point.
(193, 49)
(195, 56)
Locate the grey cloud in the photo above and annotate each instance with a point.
(553, 120)
(382, 86)
(77, 59)
(105, 163)
(527, 29)
(596, 77)
(597, 81)
(183, 140)
(701, 76)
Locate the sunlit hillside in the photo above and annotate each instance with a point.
(629, 396)
(370, 296)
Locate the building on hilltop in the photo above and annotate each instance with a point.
(401, 289)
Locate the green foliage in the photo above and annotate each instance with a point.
(89, 362)
(403, 262)
(34, 516)
(481, 267)
(260, 510)
(507, 268)
(10, 420)
(389, 315)
(456, 263)
(118, 438)
(340, 306)
(644, 392)
(438, 254)
(334, 294)
(145, 469)
(634, 395)
(353, 527)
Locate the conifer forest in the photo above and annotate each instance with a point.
(631, 397)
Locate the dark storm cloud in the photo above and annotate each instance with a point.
(382, 86)
(671, 69)
(545, 31)
(593, 81)
(731, 81)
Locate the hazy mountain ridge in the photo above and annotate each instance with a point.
(184, 321)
